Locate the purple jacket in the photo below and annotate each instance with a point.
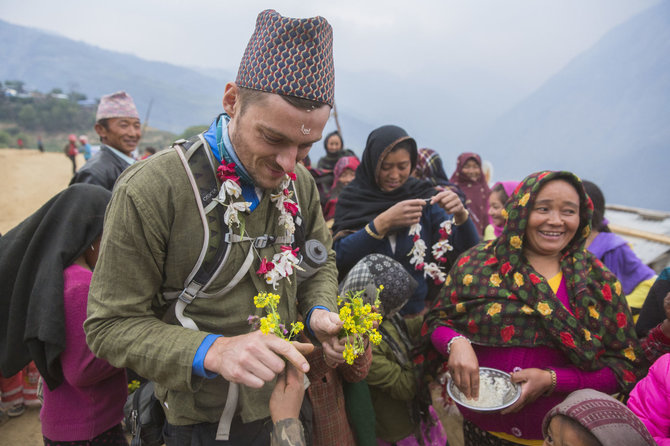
(650, 400)
(619, 258)
(90, 399)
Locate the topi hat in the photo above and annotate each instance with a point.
(290, 57)
(116, 105)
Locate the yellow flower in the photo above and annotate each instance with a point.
(518, 279)
(587, 334)
(448, 281)
(494, 309)
(273, 299)
(261, 300)
(544, 309)
(617, 287)
(495, 279)
(593, 312)
(526, 309)
(266, 326)
(515, 242)
(467, 280)
(381, 287)
(504, 214)
(375, 337)
(524, 200)
(586, 231)
(460, 307)
(630, 353)
(348, 354)
(297, 327)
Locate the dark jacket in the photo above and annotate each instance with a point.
(102, 169)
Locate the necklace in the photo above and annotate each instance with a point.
(439, 250)
(283, 263)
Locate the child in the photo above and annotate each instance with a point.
(591, 418)
(499, 194)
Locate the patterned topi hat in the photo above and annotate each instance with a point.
(116, 105)
(291, 57)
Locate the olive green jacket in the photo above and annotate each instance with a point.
(151, 240)
(392, 385)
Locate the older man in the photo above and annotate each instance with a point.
(118, 125)
(165, 231)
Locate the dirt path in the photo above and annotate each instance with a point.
(28, 179)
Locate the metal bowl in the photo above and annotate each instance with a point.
(512, 394)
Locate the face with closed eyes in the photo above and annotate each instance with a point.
(271, 135)
(553, 220)
(395, 169)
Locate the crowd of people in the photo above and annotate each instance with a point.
(150, 267)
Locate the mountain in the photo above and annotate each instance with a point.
(605, 116)
(180, 96)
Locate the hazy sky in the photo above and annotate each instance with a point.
(522, 40)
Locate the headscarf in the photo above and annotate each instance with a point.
(495, 298)
(377, 269)
(328, 162)
(346, 162)
(33, 257)
(362, 200)
(610, 421)
(508, 187)
(477, 192)
(429, 167)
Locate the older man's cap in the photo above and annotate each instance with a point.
(291, 57)
(116, 105)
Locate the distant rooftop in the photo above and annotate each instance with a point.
(648, 232)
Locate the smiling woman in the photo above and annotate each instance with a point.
(376, 210)
(534, 304)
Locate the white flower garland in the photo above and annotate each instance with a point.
(439, 250)
(283, 263)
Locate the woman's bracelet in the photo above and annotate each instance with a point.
(553, 382)
(373, 234)
(453, 339)
(467, 215)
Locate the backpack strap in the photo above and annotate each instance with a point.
(199, 166)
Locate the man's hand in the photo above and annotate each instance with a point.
(287, 395)
(326, 325)
(255, 358)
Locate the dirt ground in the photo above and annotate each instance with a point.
(28, 179)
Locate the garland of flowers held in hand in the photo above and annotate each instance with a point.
(439, 250)
(283, 263)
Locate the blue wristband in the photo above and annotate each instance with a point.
(199, 359)
(309, 315)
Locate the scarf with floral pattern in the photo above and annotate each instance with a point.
(494, 297)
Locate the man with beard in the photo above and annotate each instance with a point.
(214, 374)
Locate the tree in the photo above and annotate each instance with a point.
(28, 117)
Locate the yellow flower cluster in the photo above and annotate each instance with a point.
(358, 319)
(272, 322)
(133, 386)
